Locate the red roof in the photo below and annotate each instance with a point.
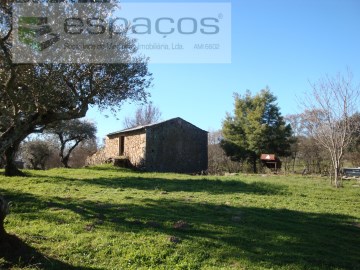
(269, 157)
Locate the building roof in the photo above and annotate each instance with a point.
(268, 157)
(144, 127)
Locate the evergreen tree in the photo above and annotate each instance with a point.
(256, 127)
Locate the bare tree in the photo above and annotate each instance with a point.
(295, 121)
(218, 161)
(328, 114)
(144, 115)
(313, 157)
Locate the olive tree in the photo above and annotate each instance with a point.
(70, 134)
(33, 95)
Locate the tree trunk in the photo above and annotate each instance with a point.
(10, 141)
(337, 176)
(65, 158)
(10, 167)
(65, 161)
(254, 165)
(15, 134)
(336, 170)
(2, 229)
(294, 161)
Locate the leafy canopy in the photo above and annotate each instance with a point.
(70, 134)
(33, 95)
(256, 127)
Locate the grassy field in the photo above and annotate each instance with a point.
(108, 218)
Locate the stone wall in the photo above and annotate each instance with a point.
(135, 146)
(98, 158)
(111, 149)
(172, 146)
(112, 146)
(134, 149)
(176, 146)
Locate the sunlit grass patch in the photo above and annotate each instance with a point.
(111, 218)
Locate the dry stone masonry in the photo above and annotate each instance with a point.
(134, 148)
(174, 145)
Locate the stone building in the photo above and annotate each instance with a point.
(174, 145)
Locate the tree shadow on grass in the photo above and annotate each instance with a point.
(23, 173)
(16, 253)
(267, 237)
(144, 182)
(190, 185)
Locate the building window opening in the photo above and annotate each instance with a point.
(122, 145)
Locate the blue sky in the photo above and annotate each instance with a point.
(282, 44)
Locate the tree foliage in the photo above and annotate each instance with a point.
(70, 134)
(35, 153)
(353, 150)
(255, 127)
(33, 95)
(144, 115)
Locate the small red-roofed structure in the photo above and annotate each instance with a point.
(271, 161)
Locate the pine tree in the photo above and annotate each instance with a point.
(256, 127)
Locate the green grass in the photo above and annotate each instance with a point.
(109, 218)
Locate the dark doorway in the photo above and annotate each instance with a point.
(122, 142)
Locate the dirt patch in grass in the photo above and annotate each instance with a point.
(174, 239)
(89, 227)
(181, 225)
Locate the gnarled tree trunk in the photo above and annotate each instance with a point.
(10, 167)
(10, 141)
(11, 138)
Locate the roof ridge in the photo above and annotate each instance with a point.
(143, 126)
